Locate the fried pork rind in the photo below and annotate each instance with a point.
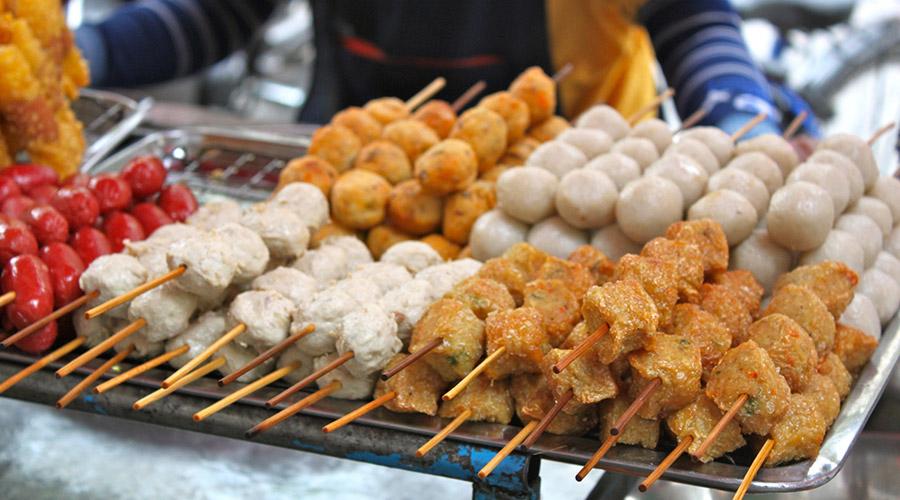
(789, 346)
(507, 273)
(482, 295)
(596, 262)
(558, 306)
(709, 238)
(826, 395)
(521, 332)
(658, 277)
(688, 264)
(726, 305)
(627, 309)
(533, 400)
(803, 306)
(853, 347)
(748, 369)
(832, 367)
(528, 258)
(576, 276)
(27, 116)
(744, 282)
(696, 420)
(833, 282)
(799, 433)
(63, 154)
(418, 388)
(640, 431)
(588, 379)
(488, 400)
(463, 338)
(675, 361)
(705, 331)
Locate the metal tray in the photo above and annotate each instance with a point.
(108, 118)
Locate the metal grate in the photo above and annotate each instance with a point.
(107, 118)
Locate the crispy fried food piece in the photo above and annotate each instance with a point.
(310, 169)
(363, 124)
(588, 378)
(832, 367)
(522, 332)
(534, 399)
(382, 237)
(726, 305)
(705, 331)
(488, 400)
(27, 116)
(446, 248)
(537, 91)
(675, 361)
(462, 209)
(513, 110)
(707, 234)
(359, 199)
(748, 369)
(559, 307)
(578, 334)
(518, 152)
(744, 282)
(627, 309)
(413, 210)
(658, 277)
(328, 230)
(418, 388)
(640, 431)
(385, 159)
(853, 347)
(412, 136)
(387, 109)
(485, 131)
(65, 152)
(528, 258)
(688, 263)
(596, 262)
(696, 420)
(833, 282)
(506, 272)
(447, 167)
(438, 115)
(482, 295)
(789, 346)
(803, 306)
(826, 395)
(576, 277)
(463, 338)
(799, 433)
(548, 129)
(335, 144)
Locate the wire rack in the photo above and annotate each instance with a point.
(107, 118)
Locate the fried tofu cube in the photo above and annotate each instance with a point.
(697, 420)
(640, 431)
(705, 331)
(744, 282)
(799, 433)
(709, 238)
(826, 395)
(833, 282)
(534, 399)
(589, 380)
(803, 306)
(854, 347)
(688, 263)
(418, 388)
(527, 258)
(558, 306)
(726, 305)
(488, 400)
(508, 274)
(789, 346)
(658, 277)
(521, 332)
(462, 334)
(748, 369)
(576, 276)
(628, 310)
(832, 367)
(675, 361)
(482, 295)
(597, 263)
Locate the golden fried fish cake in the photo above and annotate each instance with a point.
(799, 433)
(832, 367)
(533, 400)
(688, 263)
(596, 262)
(853, 347)
(639, 431)
(709, 238)
(412, 136)
(482, 295)
(488, 400)
(803, 306)
(558, 306)
(444, 247)
(507, 273)
(521, 332)
(628, 310)
(438, 115)
(589, 380)
(675, 361)
(537, 91)
(527, 257)
(462, 209)
(576, 276)
(789, 346)
(387, 109)
(696, 420)
(658, 277)
(705, 331)
(363, 124)
(462, 334)
(744, 282)
(726, 305)
(826, 395)
(833, 282)
(418, 388)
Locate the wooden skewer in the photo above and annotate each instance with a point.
(139, 369)
(37, 325)
(880, 132)
(312, 377)
(244, 391)
(741, 132)
(665, 464)
(90, 379)
(563, 72)
(794, 126)
(636, 405)
(440, 436)
(269, 353)
(291, 410)
(412, 358)
(125, 297)
(548, 418)
(581, 348)
(362, 410)
(7, 298)
(40, 363)
(754, 469)
(595, 458)
(452, 393)
(693, 119)
(650, 106)
(720, 425)
(468, 95)
(100, 348)
(178, 384)
(426, 93)
(510, 446)
(203, 356)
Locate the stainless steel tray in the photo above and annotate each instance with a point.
(108, 118)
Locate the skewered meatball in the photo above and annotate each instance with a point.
(857, 151)
(675, 361)
(556, 157)
(613, 242)
(861, 313)
(494, 232)
(743, 282)
(832, 282)
(209, 262)
(557, 305)
(762, 257)
(449, 166)
(731, 210)
(413, 255)
(263, 330)
(659, 277)
(882, 290)
(166, 309)
(359, 198)
(589, 380)
(112, 275)
(309, 169)
(352, 387)
(595, 261)
(443, 277)
(385, 275)
(591, 142)
(621, 169)
(537, 91)
(462, 209)
(325, 265)
(406, 304)
(773, 146)
(800, 216)
(438, 115)
(832, 367)
(760, 166)
(385, 159)
(853, 347)
(705, 331)
(789, 346)
(290, 283)
(462, 334)
(709, 238)
(697, 420)
(606, 119)
(488, 400)
(324, 311)
(718, 142)
(412, 136)
(696, 151)
(513, 110)
(93, 330)
(211, 215)
(876, 210)
(688, 264)
(647, 206)
(371, 335)
(889, 264)
(748, 369)
(639, 431)
(443, 246)
(335, 144)
(305, 201)
(284, 233)
(521, 332)
(294, 355)
(412, 209)
(856, 184)
(382, 237)
(387, 109)
(803, 306)
(866, 232)
(827, 177)
(628, 310)
(840, 246)
(248, 249)
(527, 193)
(533, 399)
(363, 289)
(686, 173)
(483, 296)
(799, 433)
(826, 396)
(556, 237)
(201, 333)
(363, 124)
(549, 129)
(236, 356)
(485, 131)
(586, 199)
(643, 151)
(728, 306)
(743, 183)
(887, 189)
(656, 130)
(417, 386)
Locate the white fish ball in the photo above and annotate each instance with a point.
(493, 233)
(586, 199)
(800, 216)
(556, 237)
(731, 210)
(527, 193)
(620, 168)
(647, 207)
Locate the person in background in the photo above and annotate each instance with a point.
(372, 48)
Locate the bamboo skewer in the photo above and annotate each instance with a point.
(100, 348)
(665, 464)
(468, 95)
(632, 409)
(269, 353)
(203, 356)
(510, 446)
(563, 72)
(139, 290)
(178, 384)
(794, 126)
(462, 384)
(7, 298)
(412, 358)
(650, 106)
(37, 325)
(548, 418)
(754, 469)
(42, 362)
(293, 409)
(720, 425)
(581, 348)
(880, 132)
(595, 458)
(426, 93)
(141, 368)
(747, 127)
(692, 119)
(312, 377)
(244, 391)
(440, 436)
(362, 410)
(90, 379)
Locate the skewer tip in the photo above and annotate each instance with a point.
(614, 431)
(642, 488)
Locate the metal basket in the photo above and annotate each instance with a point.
(107, 118)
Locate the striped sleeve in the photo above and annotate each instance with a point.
(704, 57)
(157, 40)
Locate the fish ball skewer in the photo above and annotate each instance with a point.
(760, 255)
(876, 210)
(621, 169)
(697, 151)
(612, 241)
(641, 150)
(686, 173)
(760, 166)
(800, 216)
(591, 142)
(586, 199)
(857, 151)
(605, 118)
(743, 183)
(556, 237)
(647, 206)
(855, 182)
(865, 231)
(882, 290)
(656, 130)
(556, 157)
(839, 246)
(829, 178)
